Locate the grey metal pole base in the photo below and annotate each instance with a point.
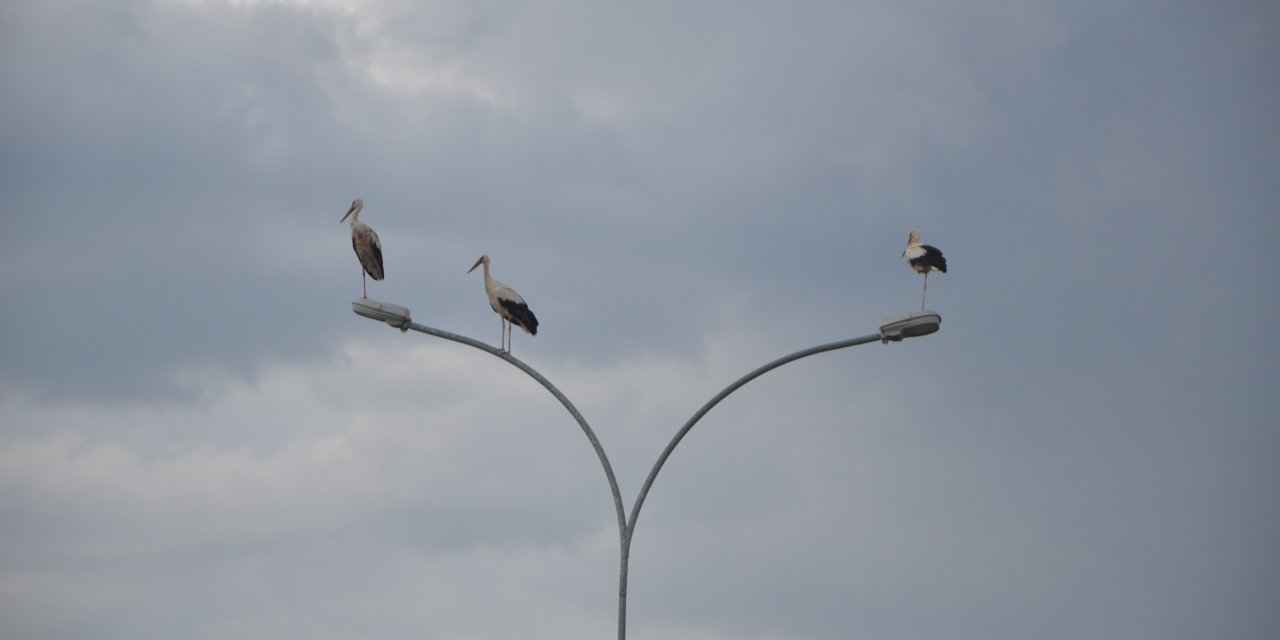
(894, 329)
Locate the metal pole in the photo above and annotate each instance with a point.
(626, 527)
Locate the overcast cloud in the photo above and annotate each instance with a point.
(199, 440)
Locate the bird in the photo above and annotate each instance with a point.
(365, 241)
(510, 307)
(923, 258)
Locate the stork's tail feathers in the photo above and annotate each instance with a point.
(932, 258)
(521, 316)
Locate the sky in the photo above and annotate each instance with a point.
(200, 440)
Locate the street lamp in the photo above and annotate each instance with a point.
(907, 325)
(394, 315)
(894, 329)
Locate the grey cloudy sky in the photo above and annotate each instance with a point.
(200, 440)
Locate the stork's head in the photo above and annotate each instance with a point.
(483, 260)
(354, 211)
(912, 238)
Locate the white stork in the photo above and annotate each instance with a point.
(365, 241)
(923, 258)
(509, 305)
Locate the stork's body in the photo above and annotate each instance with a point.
(368, 248)
(508, 304)
(923, 258)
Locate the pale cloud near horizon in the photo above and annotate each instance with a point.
(199, 440)
(329, 460)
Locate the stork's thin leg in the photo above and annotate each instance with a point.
(364, 282)
(925, 291)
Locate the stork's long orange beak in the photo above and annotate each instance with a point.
(344, 218)
(473, 267)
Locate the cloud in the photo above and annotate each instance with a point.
(422, 485)
(287, 472)
(391, 468)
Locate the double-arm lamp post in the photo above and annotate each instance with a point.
(896, 329)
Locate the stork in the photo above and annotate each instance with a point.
(510, 306)
(923, 258)
(365, 241)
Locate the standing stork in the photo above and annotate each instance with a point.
(923, 258)
(365, 241)
(509, 305)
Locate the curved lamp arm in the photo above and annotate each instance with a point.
(519, 364)
(398, 317)
(666, 453)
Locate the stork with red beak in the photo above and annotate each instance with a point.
(510, 307)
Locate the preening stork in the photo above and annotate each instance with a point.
(923, 258)
(510, 306)
(365, 241)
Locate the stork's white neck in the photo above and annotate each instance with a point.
(489, 283)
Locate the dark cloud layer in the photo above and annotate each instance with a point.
(682, 193)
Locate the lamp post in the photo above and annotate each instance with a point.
(895, 329)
